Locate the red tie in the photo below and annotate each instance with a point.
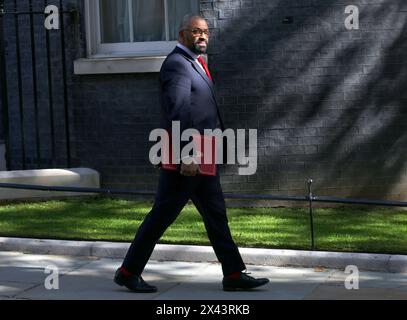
(202, 62)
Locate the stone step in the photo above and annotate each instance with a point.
(74, 177)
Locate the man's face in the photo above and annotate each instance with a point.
(196, 36)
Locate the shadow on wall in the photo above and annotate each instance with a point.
(3, 166)
(328, 103)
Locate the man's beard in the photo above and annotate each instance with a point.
(198, 49)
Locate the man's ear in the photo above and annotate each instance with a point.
(181, 36)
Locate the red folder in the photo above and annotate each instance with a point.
(203, 144)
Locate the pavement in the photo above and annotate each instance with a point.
(55, 277)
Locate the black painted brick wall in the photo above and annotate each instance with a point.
(328, 103)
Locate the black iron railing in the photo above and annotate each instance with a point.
(15, 13)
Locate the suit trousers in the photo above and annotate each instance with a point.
(174, 191)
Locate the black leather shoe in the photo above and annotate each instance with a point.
(133, 283)
(244, 282)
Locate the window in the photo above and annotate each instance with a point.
(134, 27)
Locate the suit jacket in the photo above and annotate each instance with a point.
(187, 94)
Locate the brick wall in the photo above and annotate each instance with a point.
(328, 103)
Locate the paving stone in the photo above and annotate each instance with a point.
(330, 292)
(372, 280)
(11, 289)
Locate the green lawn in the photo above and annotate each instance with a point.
(339, 229)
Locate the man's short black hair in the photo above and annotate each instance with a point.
(187, 19)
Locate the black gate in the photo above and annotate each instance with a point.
(34, 86)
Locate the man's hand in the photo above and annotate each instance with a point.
(190, 170)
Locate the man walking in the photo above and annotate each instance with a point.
(187, 96)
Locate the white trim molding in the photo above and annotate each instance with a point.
(118, 65)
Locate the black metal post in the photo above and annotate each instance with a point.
(3, 81)
(35, 87)
(50, 97)
(20, 86)
(311, 213)
(66, 109)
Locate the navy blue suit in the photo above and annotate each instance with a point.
(187, 95)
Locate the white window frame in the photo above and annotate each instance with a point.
(96, 49)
